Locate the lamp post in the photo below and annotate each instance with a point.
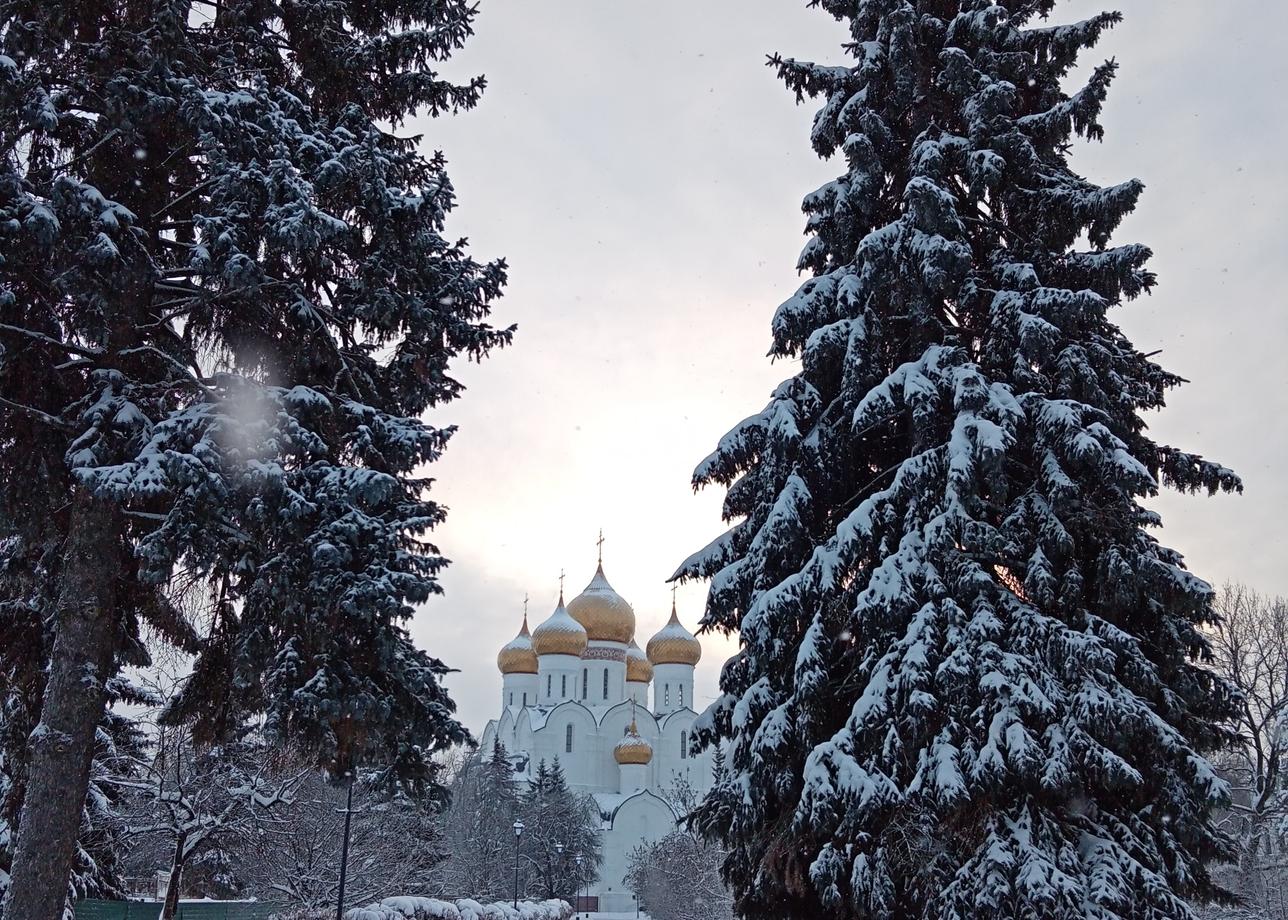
(344, 850)
(577, 899)
(559, 848)
(518, 832)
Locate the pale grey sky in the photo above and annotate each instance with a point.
(642, 171)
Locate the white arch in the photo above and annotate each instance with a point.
(550, 740)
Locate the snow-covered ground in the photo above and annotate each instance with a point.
(408, 908)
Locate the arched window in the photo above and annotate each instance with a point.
(549, 678)
(563, 685)
(681, 696)
(666, 695)
(568, 740)
(684, 745)
(511, 697)
(605, 683)
(525, 699)
(585, 679)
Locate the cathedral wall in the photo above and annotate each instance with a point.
(518, 690)
(641, 819)
(637, 690)
(559, 678)
(604, 678)
(672, 687)
(569, 725)
(524, 738)
(672, 759)
(505, 730)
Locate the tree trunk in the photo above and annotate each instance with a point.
(171, 905)
(62, 744)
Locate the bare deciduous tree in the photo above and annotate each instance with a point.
(1251, 650)
(395, 848)
(678, 878)
(197, 802)
(485, 803)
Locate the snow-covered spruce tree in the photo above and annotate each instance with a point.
(967, 683)
(478, 827)
(225, 302)
(556, 817)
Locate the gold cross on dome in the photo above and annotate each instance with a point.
(600, 543)
(561, 581)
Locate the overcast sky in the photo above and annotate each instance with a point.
(642, 170)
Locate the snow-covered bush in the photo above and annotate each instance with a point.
(463, 909)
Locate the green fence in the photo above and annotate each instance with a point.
(193, 910)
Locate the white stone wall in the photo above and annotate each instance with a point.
(637, 690)
(518, 690)
(672, 759)
(604, 664)
(634, 777)
(558, 678)
(643, 818)
(672, 687)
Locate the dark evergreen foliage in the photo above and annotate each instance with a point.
(226, 300)
(968, 683)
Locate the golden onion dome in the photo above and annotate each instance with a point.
(632, 748)
(560, 634)
(603, 612)
(638, 667)
(673, 644)
(517, 656)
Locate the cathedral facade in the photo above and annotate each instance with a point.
(617, 717)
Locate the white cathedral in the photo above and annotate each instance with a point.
(577, 688)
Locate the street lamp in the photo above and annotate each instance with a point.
(559, 848)
(518, 832)
(577, 900)
(344, 849)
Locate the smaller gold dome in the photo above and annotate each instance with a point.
(604, 613)
(560, 634)
(638, 667)
(632, 748)
(673, 644)
(517, 656)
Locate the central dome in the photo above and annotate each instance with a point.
(603, 612)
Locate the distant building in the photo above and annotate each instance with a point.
(578, 688)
